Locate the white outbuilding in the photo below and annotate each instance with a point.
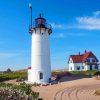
(83, 62)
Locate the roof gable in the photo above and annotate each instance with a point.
(89, 55)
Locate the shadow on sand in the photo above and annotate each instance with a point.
(73, 77)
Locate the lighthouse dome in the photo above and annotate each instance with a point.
(40, 22)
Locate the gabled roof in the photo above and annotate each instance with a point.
(77, 58)
(83, 57)
(89, 55)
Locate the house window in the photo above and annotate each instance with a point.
(96, 67)
(93, 60)
(88, 60)
(78, 67)
(82, 67)
(41, 75)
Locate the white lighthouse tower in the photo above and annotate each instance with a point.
(40, 71)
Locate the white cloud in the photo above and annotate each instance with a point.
(66, 35)
(59, 35)
(89, 22)
(61, 26)
(77, 34)
(58, 26)
(96, 13)
(85, 22)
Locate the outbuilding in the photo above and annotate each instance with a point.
(83, 62)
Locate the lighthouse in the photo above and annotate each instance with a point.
(40, 71)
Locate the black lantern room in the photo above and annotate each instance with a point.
(40, 22)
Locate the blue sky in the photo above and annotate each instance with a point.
(75, 23)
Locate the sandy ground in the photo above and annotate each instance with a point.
(13, 82)
(72, 88)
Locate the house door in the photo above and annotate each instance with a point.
(90, 67)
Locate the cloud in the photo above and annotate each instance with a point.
(59, 35)
(58, 26)
(88, 22)
(96, 13)
(84, 22)
(61, 26)
(66, 35)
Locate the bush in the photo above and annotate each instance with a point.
(64, 73)
(89, 72)
(13, 75)
(97, 73)
(17, 92)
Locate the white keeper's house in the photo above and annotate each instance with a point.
(83, 62)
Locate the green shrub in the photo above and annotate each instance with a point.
(89, 72)
(17, 91)
(13, 75)
(97, 73)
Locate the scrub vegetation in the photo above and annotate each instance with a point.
(17, 92)
(22, 75)
(76, 73)
(4, 76)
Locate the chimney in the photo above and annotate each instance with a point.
(79, 53)
(85, 51)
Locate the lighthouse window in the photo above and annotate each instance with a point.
(41, 75)
(42, 33)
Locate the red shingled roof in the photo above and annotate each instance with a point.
(82, 58)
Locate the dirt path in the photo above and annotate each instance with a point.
(80, 89)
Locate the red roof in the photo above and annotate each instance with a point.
(82, 58)
(77, 58)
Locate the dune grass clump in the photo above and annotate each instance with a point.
(12, 75)
(17, 92)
